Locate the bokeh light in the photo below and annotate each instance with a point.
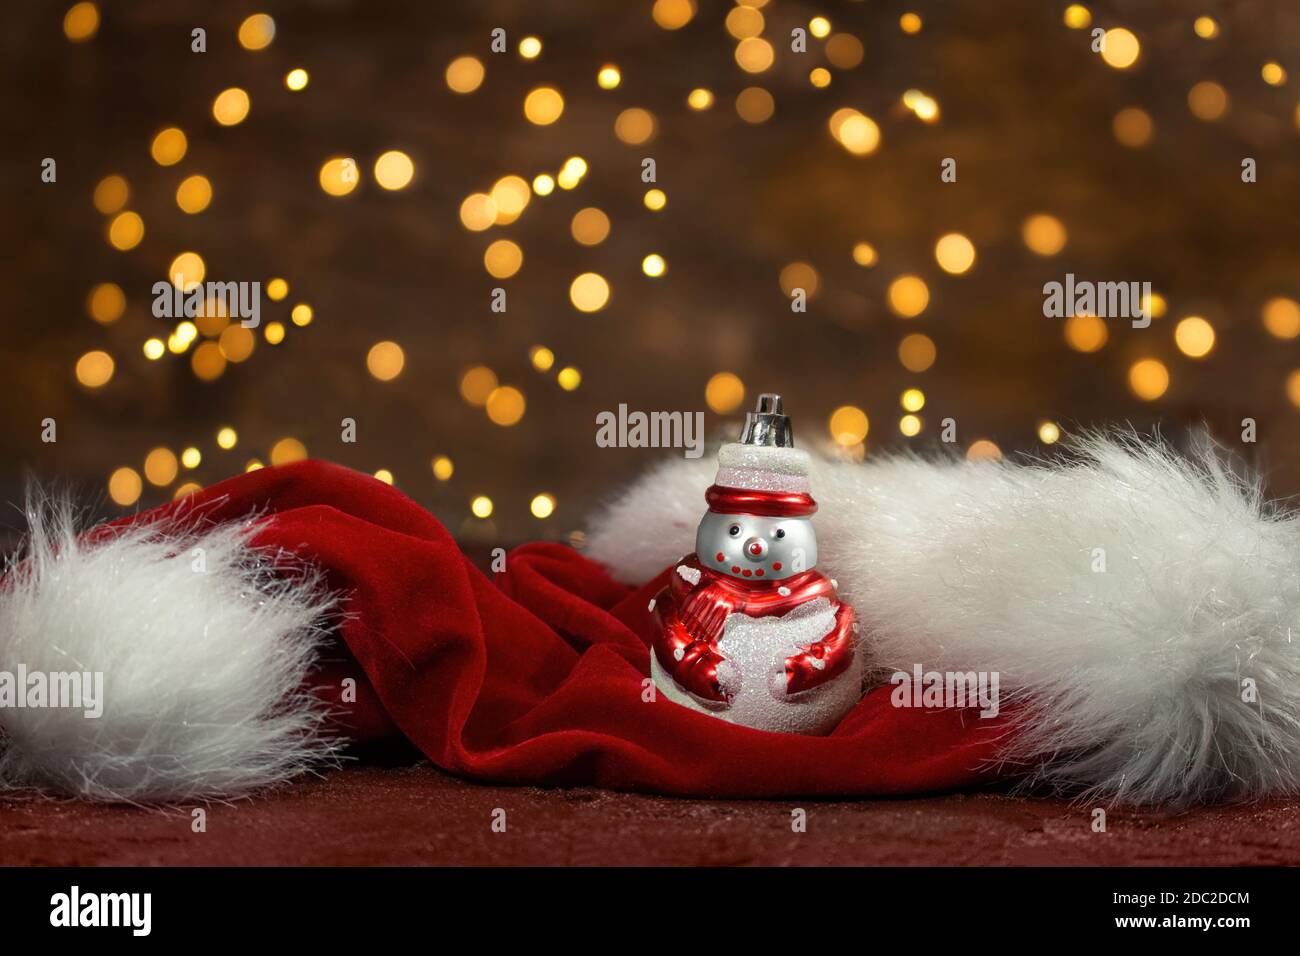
(1044, 234)
(125, 230)
(106, 303)
(256, 32)
(111, 194)
(478, 212)
(908, 296)
(81, 22)
(230, 108)
(1077, 16)
(673, 14)
(1120, 48)
(505, 405)
(754, 55)
(743, 21)
(385, 361)
(1133, 127)
(543, 106)
(207, 362)
(477, 384)
(124, 486)
(194, 194)
(589, 226)
(169, 146)
(1148, 379)
(609, 77)
(1281, 317)
(394, 170)
(699, 99)
(464, 74)
(755, 105)
(798, 276)
(589, 292)
(917, 352)
(848, 425)
(339, 175)
(845, 51)
(954, 253)
(635, 126)
(1085, 333)
(288, 450)
(724, 393)
(503, 258)
(1194, 336)
(1208, 101)
(160, 467)
(541, 357)
(95, 369)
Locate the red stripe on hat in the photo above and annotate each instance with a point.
(769, 504)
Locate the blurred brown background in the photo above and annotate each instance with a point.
(1035, 120)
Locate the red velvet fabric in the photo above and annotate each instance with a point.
(538, 674)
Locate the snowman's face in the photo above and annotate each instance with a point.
(756, 548)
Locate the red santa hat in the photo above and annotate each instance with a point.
(763, 473)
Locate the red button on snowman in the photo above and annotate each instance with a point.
(748, 630)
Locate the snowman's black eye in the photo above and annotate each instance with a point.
(780, 532)
(734, 531)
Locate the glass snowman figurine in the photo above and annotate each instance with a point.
(747, 629)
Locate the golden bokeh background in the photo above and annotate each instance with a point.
(382, 170)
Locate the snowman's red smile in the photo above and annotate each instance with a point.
(737, 570)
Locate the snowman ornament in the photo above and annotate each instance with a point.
(747, 629)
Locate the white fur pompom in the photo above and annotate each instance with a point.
(202, 648)
(1141, 603)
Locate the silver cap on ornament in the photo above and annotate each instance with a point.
(767, 424)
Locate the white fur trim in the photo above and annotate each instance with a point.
(1134, 674)
(202, 669)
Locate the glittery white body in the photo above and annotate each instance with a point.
(758, 647)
